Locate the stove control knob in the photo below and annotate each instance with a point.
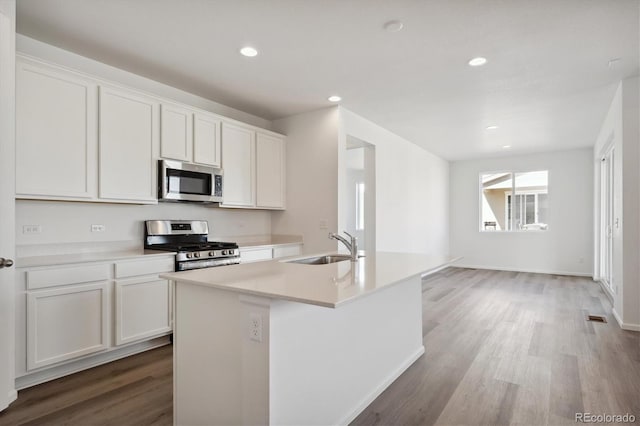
(226, 252)
(189, 255)
(211, 253)
(196, 254)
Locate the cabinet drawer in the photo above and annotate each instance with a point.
(43, 278)
(255, 255)
(144, 267)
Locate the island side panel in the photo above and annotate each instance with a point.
(207, 356)
(327, 365)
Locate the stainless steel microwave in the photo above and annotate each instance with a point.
(178, 181)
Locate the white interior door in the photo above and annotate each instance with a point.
(7, 200)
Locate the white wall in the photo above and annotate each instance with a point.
(312, 178)
(565, 248)
(412, 189)
(411, 184)
(67, 222)
(621, 128)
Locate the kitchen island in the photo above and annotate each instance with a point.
(281, 342)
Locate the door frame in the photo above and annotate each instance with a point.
(7, 201)
(606, 199)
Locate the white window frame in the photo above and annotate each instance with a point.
(513, 189)
(535, 192)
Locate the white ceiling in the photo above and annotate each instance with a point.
(547, 83)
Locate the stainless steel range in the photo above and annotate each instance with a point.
(189, 240)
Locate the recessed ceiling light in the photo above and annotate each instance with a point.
(478, 62)
(393, 26)
(248, 51)
(506, 146)
(334, 98)
(491, 127)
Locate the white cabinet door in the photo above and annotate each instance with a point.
(128, 141)
(176, 132)
(56, 114)
(286, 251)
(238, 164)
(270, 168)
(206, 139)
(66, 323)
(255, 255)
(142, 309)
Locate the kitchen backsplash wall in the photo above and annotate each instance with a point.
(71, 222)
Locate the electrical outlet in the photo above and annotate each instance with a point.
(97, 228)
(31, 229)
(255, 327)
(324, 224)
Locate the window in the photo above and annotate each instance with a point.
(359, 206)
(514, 201)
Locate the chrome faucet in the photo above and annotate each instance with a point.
(351, 246)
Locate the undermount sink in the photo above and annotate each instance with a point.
(322, 260)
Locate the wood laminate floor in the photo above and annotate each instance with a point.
(513, 348)
(501, 348)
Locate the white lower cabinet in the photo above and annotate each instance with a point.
(71, 317)
(142, 309)
(258, 254)
(286, 251)
(66, 323)
(255, 255)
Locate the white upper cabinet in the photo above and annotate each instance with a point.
(128, 140)
(206, 139)
(80, 138)
(238, 164)
(188, 135)
(254, 168)
(56, 113)
(176, 132)
(270, 171)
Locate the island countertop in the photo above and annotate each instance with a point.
(329, 285)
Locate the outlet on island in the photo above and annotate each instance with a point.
(255, 327)
(97, 228)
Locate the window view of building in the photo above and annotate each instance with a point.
(514, 201)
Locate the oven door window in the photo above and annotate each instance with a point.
(187, 182)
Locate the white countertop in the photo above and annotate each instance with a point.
(259, 241)
(65, 259)
(64, 254)
(329, 285)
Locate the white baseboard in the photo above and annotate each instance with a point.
(11, 396)
(440, 268)
(381, 387)
(623, 325)
(532, 271)
(52, 373)
(606, 290)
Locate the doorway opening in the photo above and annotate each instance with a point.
(360, 193)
